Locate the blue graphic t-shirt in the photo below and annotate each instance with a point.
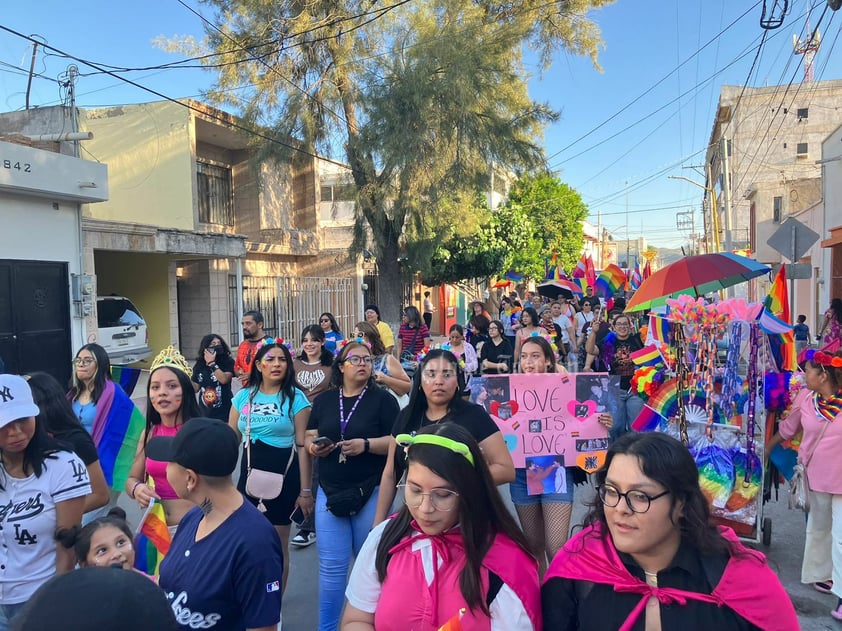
(231, 579)
(271, 421)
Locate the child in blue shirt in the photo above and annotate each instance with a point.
(802, 334)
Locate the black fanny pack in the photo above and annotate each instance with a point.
(344, 501)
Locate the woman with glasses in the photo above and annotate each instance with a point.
(582, 325)
(613, 351)
(349, 433)
(496, 354)
(270, 416)
(545, 517)
(463, 351)
(213, 373)
(452, 553)
(333, 336)
(437, 398)
(387, 370)
(650, 557)
(109, 415)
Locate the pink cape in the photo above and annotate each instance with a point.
(747, 586)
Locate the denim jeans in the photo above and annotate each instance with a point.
(338, 539)
(628, 407)
(8, 614)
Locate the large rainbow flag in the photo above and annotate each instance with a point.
(117, 429)
(610, 281)
(152, 541)
(777, 304)
(126, 376)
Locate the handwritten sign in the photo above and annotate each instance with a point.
(553, 414)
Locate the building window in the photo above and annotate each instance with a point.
(801, 149)
(777, 209)
(803, 112)
(216, 202)
(338, 192)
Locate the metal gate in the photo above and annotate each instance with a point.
(290, 304)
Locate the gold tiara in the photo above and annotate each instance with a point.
(171, 358)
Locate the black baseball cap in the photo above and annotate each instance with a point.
(205, 445)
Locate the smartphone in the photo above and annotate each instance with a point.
(297, 516)
(322, 441)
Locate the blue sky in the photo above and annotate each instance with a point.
(640, 120)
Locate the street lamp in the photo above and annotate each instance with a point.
(714, 212)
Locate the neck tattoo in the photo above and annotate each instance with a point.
(206, 506)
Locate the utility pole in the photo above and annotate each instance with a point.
(726, 190)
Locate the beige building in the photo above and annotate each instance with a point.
(196, 230)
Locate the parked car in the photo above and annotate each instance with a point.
(122, 330)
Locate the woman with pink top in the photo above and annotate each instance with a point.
(171, 403)
(452, 553)
(816, 411)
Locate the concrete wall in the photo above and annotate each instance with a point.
(148, 150)
(145, 280)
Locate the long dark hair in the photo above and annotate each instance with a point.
(532, 314)
(409, 420)
(205, 343)
(103, 373)
(189, 405)
(413, 316)
(287, 390)
(666, 461)
(482, 514)
(836, 308)
(56, 414)
(546, 349)
(336, 376)
(334, 326)
(316, 332)
(370, 331)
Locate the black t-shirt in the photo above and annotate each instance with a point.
(492, 353)
(214, 397)
(373, 418)
(569, 605)
(81, 443)
(469, 415)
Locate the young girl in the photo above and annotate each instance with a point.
(453, 552)
(105, 542)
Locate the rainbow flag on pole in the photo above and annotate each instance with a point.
(116, 432)
(776, 312)
(610, 281)
(152, 541)
(659, 330)
(647, 356)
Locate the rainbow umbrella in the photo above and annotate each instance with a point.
(696, 276)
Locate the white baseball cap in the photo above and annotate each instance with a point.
(15, 400)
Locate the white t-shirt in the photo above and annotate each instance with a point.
(563, 323)
(28, 523)
(581, 318)
(363, 591)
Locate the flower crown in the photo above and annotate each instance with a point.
(822, 358)
(358, 340)
(460, 361)
(267, 341)
(170, 357)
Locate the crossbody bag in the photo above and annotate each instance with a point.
(262, 484)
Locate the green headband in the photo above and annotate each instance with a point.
(406, 440)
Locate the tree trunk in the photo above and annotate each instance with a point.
(389, 290)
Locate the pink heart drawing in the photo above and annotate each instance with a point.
(581, 409)
(503, 411)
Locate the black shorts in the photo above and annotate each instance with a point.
(273, 459)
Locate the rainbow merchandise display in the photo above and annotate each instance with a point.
(711, 392)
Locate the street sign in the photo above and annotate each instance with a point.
(795, 271)
(793, 239)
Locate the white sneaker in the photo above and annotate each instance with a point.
(303, 539)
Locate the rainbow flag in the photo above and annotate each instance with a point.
(124, 424)
(647, 421)
(152, 541)
(513, 276)
(659, 330)
(455, 623)
(647, 356)
(610, 281)
(581, 269)
(127, 377)
(582, 282)
(776, 313)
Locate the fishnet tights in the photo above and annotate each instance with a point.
(547, 528)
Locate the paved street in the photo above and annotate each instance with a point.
(301, 602)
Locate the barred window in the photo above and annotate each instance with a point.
(215, 194)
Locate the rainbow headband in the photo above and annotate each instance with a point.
(406, 440)
(824, 359)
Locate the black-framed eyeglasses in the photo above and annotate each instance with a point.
(324, 320)
(637, 501)
(356, 360)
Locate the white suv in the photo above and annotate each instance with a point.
(122, 330)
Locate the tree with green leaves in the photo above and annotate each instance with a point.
(418, 98)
